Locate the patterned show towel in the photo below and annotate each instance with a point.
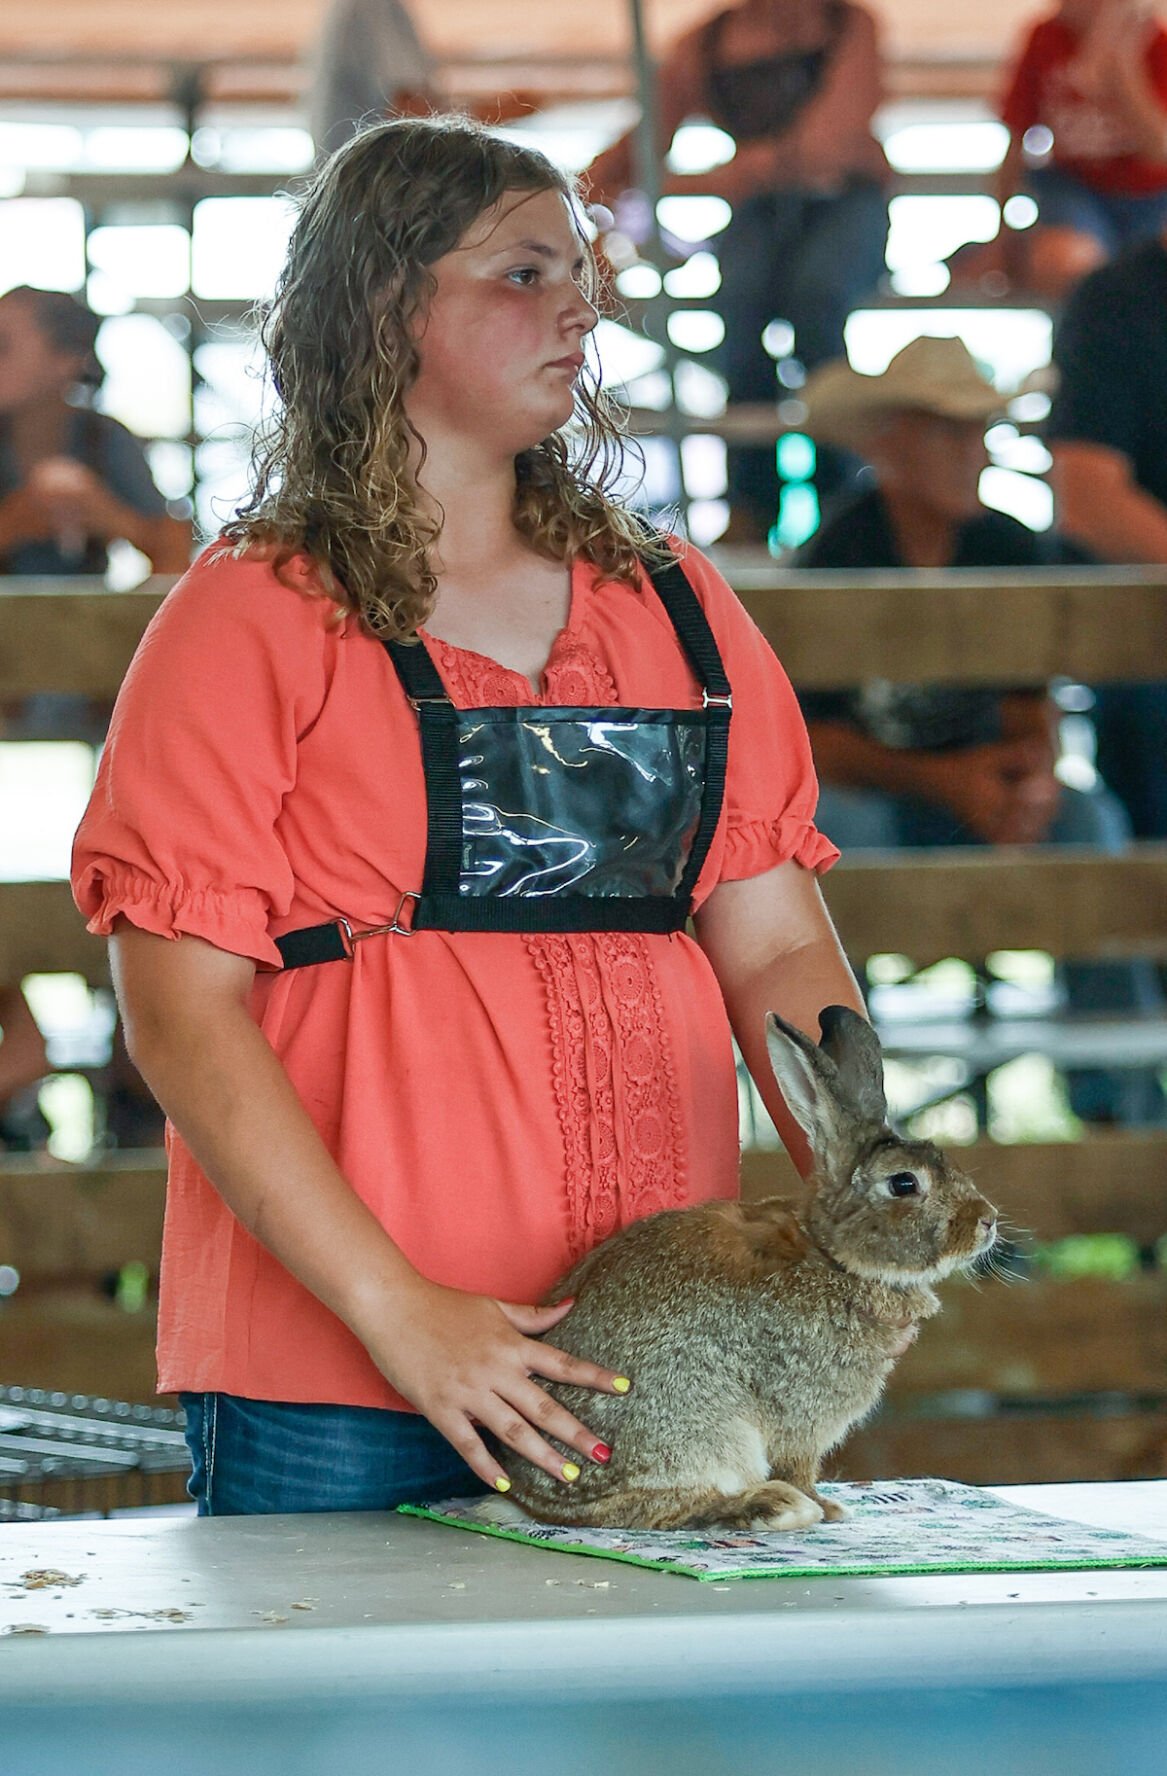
(892, 1527)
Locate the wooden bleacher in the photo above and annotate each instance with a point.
(1047, 1379)
(963, 625)
(70, 1231)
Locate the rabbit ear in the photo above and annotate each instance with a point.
(808, 1080)
(854, 1047)
(831, 1095)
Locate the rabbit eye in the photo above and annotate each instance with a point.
(903, 1184)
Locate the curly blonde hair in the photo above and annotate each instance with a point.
(333, 478)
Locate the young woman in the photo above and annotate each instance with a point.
(71, 479)
(425, 772)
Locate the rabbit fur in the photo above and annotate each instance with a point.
(757, 1334)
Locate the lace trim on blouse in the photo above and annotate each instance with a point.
(612, 1067)
(614, 1081)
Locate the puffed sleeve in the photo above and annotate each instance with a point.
(180, 834)
(771, 790)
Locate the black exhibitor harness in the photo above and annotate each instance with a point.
(558, 819)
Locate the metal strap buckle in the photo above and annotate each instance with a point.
(350, 938)
(417, 702)
(722, 700)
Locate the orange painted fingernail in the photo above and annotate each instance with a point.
(502, 1484)
(621, 1383)
(570, 1471)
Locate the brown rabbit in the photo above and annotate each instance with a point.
(757, 1334)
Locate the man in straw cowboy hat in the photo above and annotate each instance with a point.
(902, 764)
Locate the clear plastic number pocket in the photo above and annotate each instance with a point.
(593, 802)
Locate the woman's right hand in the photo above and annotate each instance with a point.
(467, 1363)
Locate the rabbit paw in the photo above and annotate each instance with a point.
(775, 1505)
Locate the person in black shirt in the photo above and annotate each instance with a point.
(1108, 434)
(946, 764)
(921, 765)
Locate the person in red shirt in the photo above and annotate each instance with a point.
(1086, 110)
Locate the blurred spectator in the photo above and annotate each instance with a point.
(796, 84)
(1108, 435)
(369, 62)
(23, 1063)
(128, 1113)
(907, 765)
(128, 1116)
(1090, 91)
(71, 479)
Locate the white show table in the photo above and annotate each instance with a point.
(410, 1619)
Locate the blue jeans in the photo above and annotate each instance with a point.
(1113, 218)
(857, 819)
(801, 257)
(252, 1457)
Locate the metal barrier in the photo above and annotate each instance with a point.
(67, 1454)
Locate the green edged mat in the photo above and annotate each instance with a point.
(893, 1527)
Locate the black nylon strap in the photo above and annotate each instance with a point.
(438, 724)
(691, 624)
(421, 683)
(312, 943)
(551, 912)
(443, 789)
(656, 914)
(416, 670)
(716, 763)
(696, 637)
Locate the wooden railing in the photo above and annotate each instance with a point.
(1072, 1374)
(963, 626)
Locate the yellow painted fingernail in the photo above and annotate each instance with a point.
(570, 1471)
(621, 1383)
(502, 1484)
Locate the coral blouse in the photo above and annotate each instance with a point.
(502, 1102)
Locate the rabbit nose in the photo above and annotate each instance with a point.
(989, 1223)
